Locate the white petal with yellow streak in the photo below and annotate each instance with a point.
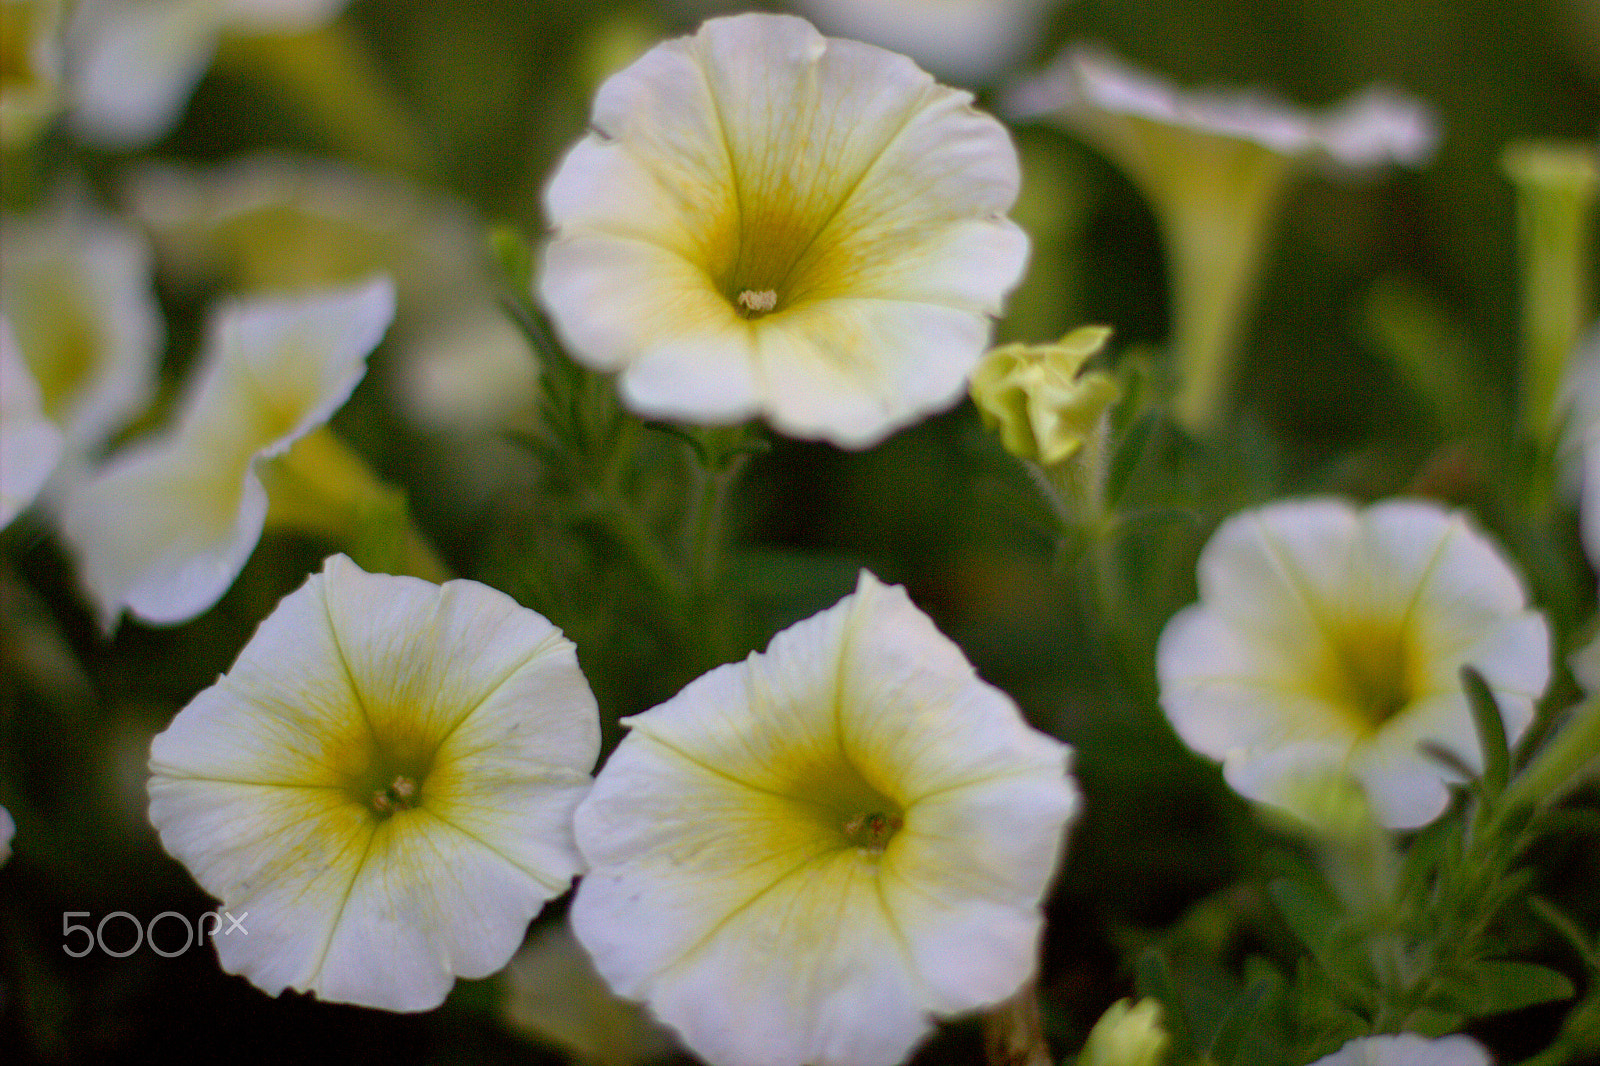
(745, 192)
(30, 443)
(262, 786)
(727, 892)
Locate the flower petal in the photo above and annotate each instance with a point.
(30, 444)
(278, 368)
(76, 287)
(768, 220)
(271, 786)
(136, 65)
(1326, 633)
(163, 530)
(730, 890)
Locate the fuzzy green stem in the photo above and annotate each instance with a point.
(1568, 759)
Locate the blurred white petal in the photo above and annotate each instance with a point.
(1330, 635)
(76, 286)
(30, 443)
(165, 527)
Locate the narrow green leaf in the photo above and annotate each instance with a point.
(1153, 980)
(1448, 759)
(1491, 728)
(1240, 1021)
(1432, 353)
(1130, 452)
(1310, 917)
(1495, 986)
(1568, 930)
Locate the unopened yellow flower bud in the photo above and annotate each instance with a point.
(1036, 399)
(1127, 1034)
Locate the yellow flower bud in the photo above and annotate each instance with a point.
(1036, 399)
(1127, 1034)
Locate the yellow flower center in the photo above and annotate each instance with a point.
(401, 794)
(790, 234)
(845, 807)
(1371, 672)
(383, 775)
(873, 831)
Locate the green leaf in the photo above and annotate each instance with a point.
(1311, 917)
(1491, 728)
(1495, 986)
(1240, 1021)
(1153, 980)
(1432, 353)
(1130, 452)
(1568, 930)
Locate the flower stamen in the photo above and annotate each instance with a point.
(399, 795)
(754, 304)
(872, 831)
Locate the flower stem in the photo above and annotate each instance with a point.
(1013, 1031)
(328, 72)
(1556, 184)
(320, 486)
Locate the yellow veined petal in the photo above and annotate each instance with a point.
(163, 530)
(277, 368)
(1341, 634)
(165, 527)
(805, 837)
(76, 286)
(760, 181)
(30, 444)
(381, 842)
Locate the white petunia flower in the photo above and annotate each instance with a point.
(801, 857)
(167, 525)
(968, 40)
(767, 221)
(135, 64)
(1214, 166)
(30, 68)
(76, 286)
(30, 443)
(276, 222)
(1324, 634)
(1408, 1049)
(381, 788)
